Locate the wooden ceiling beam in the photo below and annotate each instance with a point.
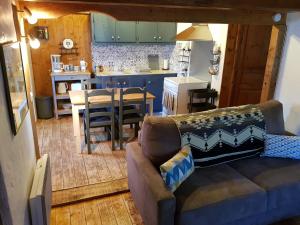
(267, 5)
(142, 13)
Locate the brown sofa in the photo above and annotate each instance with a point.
(251, 191)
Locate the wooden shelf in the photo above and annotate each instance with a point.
(64, 111)
(62, 96)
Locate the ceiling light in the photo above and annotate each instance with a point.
(34, 42)
(32, 20)
(29, 16)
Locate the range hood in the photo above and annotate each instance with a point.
(198, 32)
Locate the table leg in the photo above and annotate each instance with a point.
(151, 107)
(76, 122)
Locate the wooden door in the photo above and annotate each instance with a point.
(166, 32)
(125, 31)
(104, 28)
(147, 31)
(245, 62)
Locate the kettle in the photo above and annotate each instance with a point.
(62, 87)
(83, 65)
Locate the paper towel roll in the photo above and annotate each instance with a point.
(166, 64)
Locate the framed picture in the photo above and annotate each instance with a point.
(14, 82)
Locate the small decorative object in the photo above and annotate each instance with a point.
(14, 82)
(215, 61)
(42, 32)
(68, 47)
(68, 43)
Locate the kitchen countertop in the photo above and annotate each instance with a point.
(130, 73)
(185, 80)
(70, 73)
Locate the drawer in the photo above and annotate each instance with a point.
(71, 77)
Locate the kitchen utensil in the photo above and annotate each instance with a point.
(62, 87)
(83, 65)
(71, 67)
(166, 64)
(56, 64)
(66, 67)
(153, 61)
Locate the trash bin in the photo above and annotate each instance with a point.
(44, 107)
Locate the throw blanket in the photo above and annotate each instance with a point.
(222, 135)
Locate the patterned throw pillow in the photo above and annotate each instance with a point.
(282, 146)
(177, 169)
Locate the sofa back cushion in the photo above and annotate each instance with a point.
(273, 114)
(160, 138)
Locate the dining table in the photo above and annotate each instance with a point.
(78, 104)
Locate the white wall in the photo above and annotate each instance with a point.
(288, 84)
(17, 155)
(219, 33)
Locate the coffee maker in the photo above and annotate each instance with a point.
(57, 65)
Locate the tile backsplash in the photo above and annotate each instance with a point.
(134, 56)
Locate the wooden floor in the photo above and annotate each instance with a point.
(70, 169)
(114, 210)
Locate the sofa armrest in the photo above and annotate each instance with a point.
(154, 201)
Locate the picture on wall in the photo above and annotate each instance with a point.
(14, 82)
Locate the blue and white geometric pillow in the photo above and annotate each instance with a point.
(282, 146)
(178, 168)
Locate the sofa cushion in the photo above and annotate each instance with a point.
(282, 146)
(273, 114)
(279, 177)
(177, 169)
(217, 195)
(160, 139)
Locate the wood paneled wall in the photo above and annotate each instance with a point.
(75, 26)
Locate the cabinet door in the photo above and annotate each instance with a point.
(147, 31)
(166, 32)
(104, 28)
(125, 31)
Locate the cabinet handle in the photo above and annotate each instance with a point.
(118, 37)
(154, 37)
(159, 38)
(113, 37)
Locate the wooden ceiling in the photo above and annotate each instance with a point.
(208, 11)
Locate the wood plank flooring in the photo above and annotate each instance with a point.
(114, 210)
(70, 169)
(88, 192)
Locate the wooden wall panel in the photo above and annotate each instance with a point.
(245, 62)
(273, 62)
(76, 27)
